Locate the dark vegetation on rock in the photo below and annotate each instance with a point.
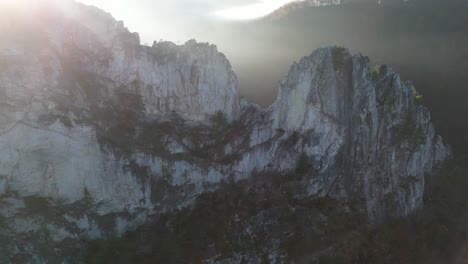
(260, 219)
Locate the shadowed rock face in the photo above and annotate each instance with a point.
(92, 119)
(373, 140)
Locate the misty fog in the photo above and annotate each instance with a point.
(418, 39)
(425, 43)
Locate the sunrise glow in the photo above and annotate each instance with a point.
(252, 11)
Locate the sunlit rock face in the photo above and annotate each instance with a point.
(68, 72)
(194, 80)
(105, 133)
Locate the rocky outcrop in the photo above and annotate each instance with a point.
(371, 132)
(105, 132)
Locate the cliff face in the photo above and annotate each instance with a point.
(373, 138)
(108, 132)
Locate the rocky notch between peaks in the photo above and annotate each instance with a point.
(99, 133)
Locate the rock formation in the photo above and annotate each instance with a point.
(109, 132)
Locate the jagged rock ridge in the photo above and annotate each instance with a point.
(113, 132)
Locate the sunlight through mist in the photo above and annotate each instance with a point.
(252, 11)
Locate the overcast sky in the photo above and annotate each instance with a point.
(179, 20)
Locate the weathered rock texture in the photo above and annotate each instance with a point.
(370, 135)
(109, 132)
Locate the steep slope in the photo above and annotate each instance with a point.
(99, 133)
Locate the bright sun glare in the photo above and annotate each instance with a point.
(5, 4)
(252, 11)
(256, 10)
(8, 3)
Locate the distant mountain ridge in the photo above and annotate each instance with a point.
(314, 3)
(301, 4)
